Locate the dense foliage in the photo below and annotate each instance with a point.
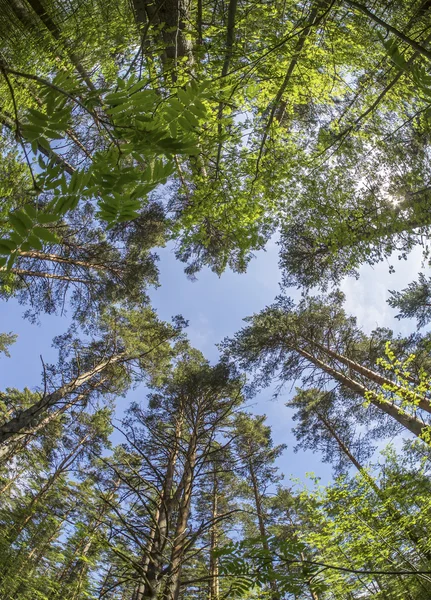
(128, 125)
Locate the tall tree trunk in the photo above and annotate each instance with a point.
(410, 422)
(152, 563)
(43, 275)
(87, 264)
(377, 378)
(172, 587)
(393, 511)
(30, 418)
(24, 15)
(173, 17)
(214, 587)
(399, 34)
(9, 449)
(346, 451)
(261, 522)
(63, 466)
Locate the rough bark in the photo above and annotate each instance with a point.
(173, 17)
(31, 417)
(406, 393)
(261, 522)
(87, 264)
(410, 422)
(172, 588)
(214, 587)
(152, 563)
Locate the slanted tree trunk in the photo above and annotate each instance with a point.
(393, 511)
(30, 418)
(377, 378)
(399, 34)
(63, 466)
(26, 17)
(409, 422)
(43, 275)
(56, 258)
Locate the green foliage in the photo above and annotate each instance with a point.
(6, 340)
(413, 301)
(139, 127)
(128, 124)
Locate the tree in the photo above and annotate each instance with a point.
(6, 339)
(342, 540)
(413, 301)
(37, 512)
(317, 342)
(281, 90)
(324, 427)
(187, 410)
(87, 269)
(257, 455)
(124, 339)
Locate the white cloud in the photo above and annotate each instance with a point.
(366, 297)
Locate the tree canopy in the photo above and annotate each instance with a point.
(137, 468)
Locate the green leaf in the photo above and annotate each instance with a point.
(53, 135)
(137, 86)
(27, 128)
(47, 218)
(116, 98)
(25, 219)
(6, 246)
(18, 225)
(36, 114)
(35, 242)
(45, 234)
(191, 118)
(44, 143)
(31, 211)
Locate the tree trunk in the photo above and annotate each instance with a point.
(40, 11)
(214, 591)
(31, 417)
(261, 521)
(153, 562)
(172, 588)
(411, 423)
(345, 450)
(377, 378)
(393, 512)
(172, 16)
(43, 275)
(63, 466)
(9, 449)
(399, 34)
(68, 261)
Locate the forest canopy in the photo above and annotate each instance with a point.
(136, 468)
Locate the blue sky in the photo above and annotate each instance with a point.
(215, 308)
